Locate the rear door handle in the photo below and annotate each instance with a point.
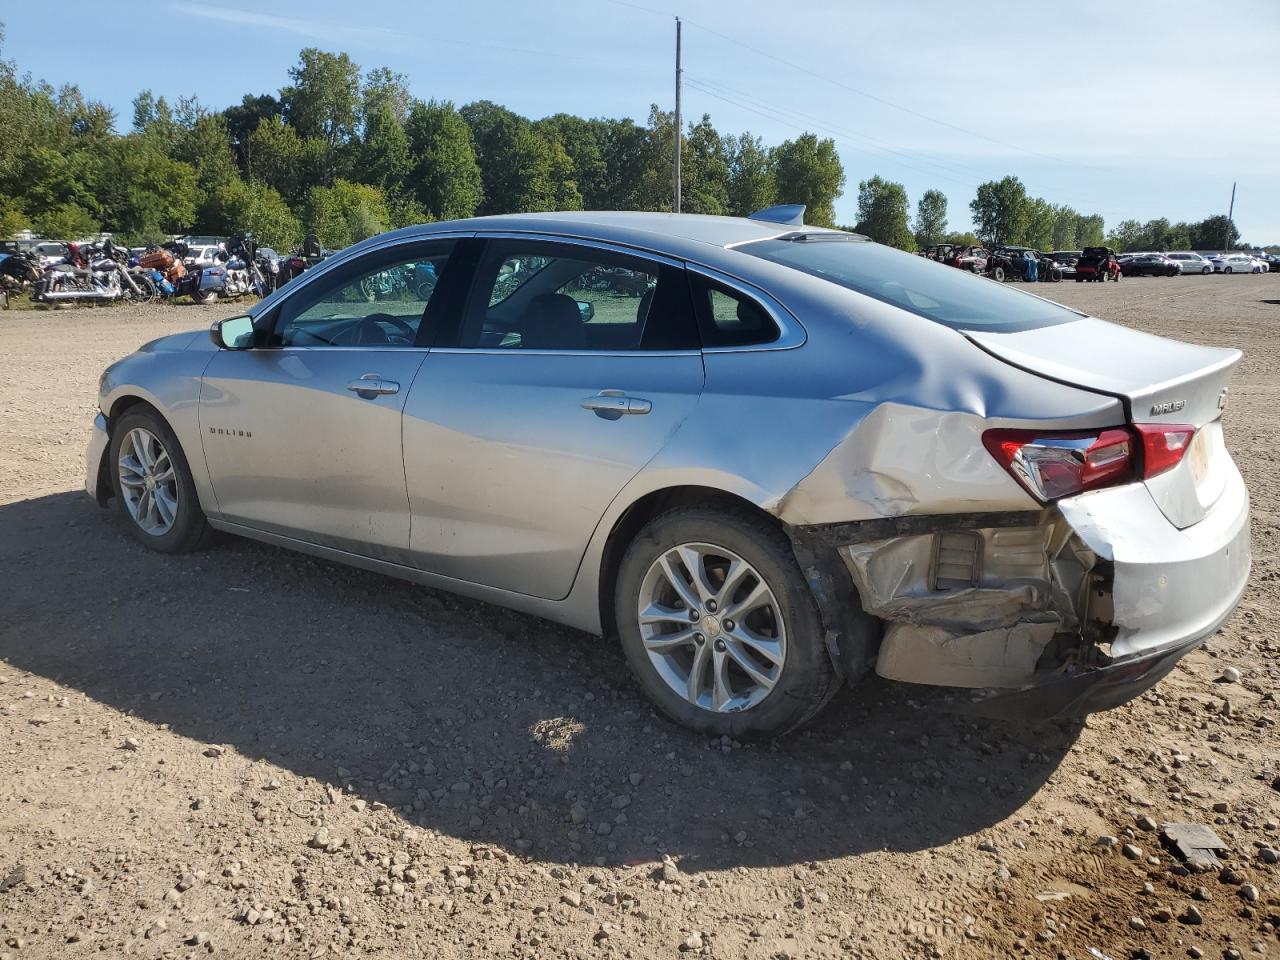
(612, 404)
(372, 385)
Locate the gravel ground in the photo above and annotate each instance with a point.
(251, 753)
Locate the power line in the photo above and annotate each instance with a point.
(855, 90)
(802, 121)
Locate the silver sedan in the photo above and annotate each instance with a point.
(769, 458)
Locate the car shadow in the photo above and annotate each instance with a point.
(477, 722)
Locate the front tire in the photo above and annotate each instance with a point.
(719, 626)
(152, 482)
(1205, 270)
(1226, 270)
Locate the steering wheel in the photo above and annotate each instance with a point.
(369, 332)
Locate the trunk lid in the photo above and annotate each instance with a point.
(1161, 381)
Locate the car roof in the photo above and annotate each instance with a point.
(657, 231)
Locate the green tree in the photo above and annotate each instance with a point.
(206, 147)
(385, 88)
(515, 163)
(143, 194)
(445, 176)
(275, 155)
(242, 120)
(583, 141)
(705, 177)
(1212, 232)
(385, 160)
(808, 171)
(1089, 231)
(751, 180)
(1128, 235)
(253, 208)
(324, 99)
(346, 213)
(882, 213)
(1000, 211)
(67, 220)
(931, 217)
(12, 218)
(1041, 217)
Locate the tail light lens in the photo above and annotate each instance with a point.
(1052, 465)
(1163, 445)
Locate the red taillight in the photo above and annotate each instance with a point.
(1052, 465)
(1163, 445)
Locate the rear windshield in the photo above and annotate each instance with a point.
(944, 294)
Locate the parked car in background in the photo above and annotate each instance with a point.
(204, 255)
(1094, 264)
(972, 258)
(1189, 262)
(1235, 263)
(993, 510)
(50, 252)
(1013, 262)
(1264, 265)
(1149, 265)
(1066, 261)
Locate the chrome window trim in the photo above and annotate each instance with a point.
(518, 352)
(791, 332)
(608, 246)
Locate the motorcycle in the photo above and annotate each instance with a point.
(238, 273)
(93, 274)
(301, 260)
(18, 272)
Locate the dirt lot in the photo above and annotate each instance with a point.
(252, 753)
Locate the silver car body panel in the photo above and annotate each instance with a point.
(862, 413)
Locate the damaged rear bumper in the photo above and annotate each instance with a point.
(1077, 607)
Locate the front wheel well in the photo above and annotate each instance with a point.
(634, 519)
(122, 406)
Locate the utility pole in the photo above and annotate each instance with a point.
(1226, 231)
(675, 207)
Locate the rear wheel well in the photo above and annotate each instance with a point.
(640, 513)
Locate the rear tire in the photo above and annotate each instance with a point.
(997, 274)
(1226, 270)
(775, 692)
(204, 296)
(179, 523)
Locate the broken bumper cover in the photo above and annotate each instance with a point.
(1088, 691)
(93, 455)
(1073, 609)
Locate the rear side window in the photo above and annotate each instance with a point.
(544, 295)
(728, 317)
(954, 298)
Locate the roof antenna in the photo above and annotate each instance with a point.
(791, 214)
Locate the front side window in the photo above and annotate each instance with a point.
(954, 298)
(378, 300)
(542, 295)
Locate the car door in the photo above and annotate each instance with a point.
(302, 432)
(574, 365)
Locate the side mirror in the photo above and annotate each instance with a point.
(586, 308)
(234, 333)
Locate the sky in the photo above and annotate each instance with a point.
(1133, 110)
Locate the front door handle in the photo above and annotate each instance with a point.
(372, 385)
(613, 404)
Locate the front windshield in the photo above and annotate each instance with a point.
(944, 294)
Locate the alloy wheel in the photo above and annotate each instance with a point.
(712, 627)
(148, 482)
